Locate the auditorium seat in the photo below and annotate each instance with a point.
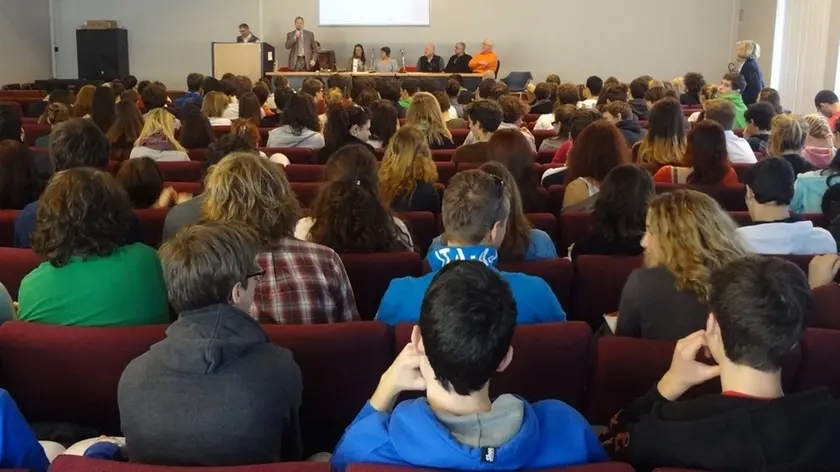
(741, 169)
(7, 102)
(541, 135)
(544, 222)
(341, 366)
(151, 224)
(602, 467)
(730, 198)
(557, 273)
(33, 132)
(114, 167)
(550, 361)
(445, 170)
(66, 463)
(7, 227)
(304, 173)
(555, 199)
(824, 312)
(597, 286)
(17, 263)
(196, 154)
(442, 155)
(544, 157)
(459, 136)
(531, 117)
(295, 155)
(306, 192)
(371, 274)
(423, 228)
(573, 226)
(819, 366)
(189, 171)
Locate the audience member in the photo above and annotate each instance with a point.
(487, 90)
(157, 140)
(20, 448)
(708, 93)
(688, 237)
(706, 160)
(345, 126)
(665, 141)
(694, 83)
(408, 87)
(771, 96)
(270, 117)
(638, 89)
(819, 146)
(731, 88)
(298, 125)
(248, 130)
(618, 214)
(234, 88)
(424, 112)
(486, 60)
(788, 135)
(80, 233)
(655, 94)
(61, 95)
(54, 114)
(770, 190)
(484, 118)
(408, 173)
(214, 106)
(758, 307)
(453, 91)
(249, 387)
(567, 94)
(759, 117)
(511, 149)
(128, 124)
(194, 83)
(476, 206)
(543, 103)
(562, 119)
(20, 183)
(250, 108)
(598, 149)
(84, 102)
(828, 105)
(196, 131)
(464, 334)
(448, 113)
(154, 98)
(389, 89)
(621, 115)
(581, 118)
(348, 214)
(594, 84)
(143, 182)
(724, 113)
(615, 92)
(810, 188)
(102, 111)
(303, 283)
(384, 123)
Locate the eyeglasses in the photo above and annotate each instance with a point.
(257, 275)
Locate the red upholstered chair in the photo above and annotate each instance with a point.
(446, 170)
(6, 101)
(731, 198)
(802, 261)
(370, 275)
(341, 365)
(304, 173)
(741, 169)
(423, 228)
(819, 366)
(544, 222)
(603, 467)
(531, 117)
(573, 226)
(33, 132)
(544, 157)
(189, 171)
(64, 374)
(379, 153)
(549, 361)
(824, 312)
(556, 272)
(196, 154)
(7, 227)
(555, 199)
(83, 464)
(114, 166)
(192, 188)
(541, 135)
(459, 136)
(295, 155)
(15, 265)
(220, 131)
(597, 286)
(151, 224)
(443, 155)
(306, 192)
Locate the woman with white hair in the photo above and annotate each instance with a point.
(747, 53)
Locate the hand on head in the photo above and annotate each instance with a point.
(685, 371)
(403, 375)
(822, 270)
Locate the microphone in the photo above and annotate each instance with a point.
(402, 55)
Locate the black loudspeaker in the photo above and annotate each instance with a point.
(102, 54)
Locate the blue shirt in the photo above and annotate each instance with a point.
(540, 247)
(535, 301)
(183, 99)
(26, 219)
(552, 435)
(19, 449)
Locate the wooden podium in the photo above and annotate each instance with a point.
(253, 60)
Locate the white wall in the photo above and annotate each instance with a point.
(24, 41)
(568, 37)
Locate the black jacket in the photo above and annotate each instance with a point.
(799, 164)
(542, 107)
(797, 432)
(755, 82)
(425, 65)
(631, 130)
(425, 197)
(215, 392)
(640, 109)
(690, 99)
(459, 65)
(252, 39)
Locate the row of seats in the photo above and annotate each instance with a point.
(71, 374)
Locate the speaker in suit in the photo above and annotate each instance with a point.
(251, 39)
(303, 49)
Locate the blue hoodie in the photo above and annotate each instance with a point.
(552, 434)
(18, 447)
(535, 301)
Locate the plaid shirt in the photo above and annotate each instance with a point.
(304, 283)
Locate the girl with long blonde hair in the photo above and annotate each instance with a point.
(819, 145)
(157, 139)
(788, 134)
(688, 236)
(407, 173)
(425, 113)
(213, 106)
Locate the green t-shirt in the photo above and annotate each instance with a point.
(123, 289)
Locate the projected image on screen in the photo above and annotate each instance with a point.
(374, 12)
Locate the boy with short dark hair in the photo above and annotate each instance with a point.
(828, 105)
(194, 83)
(638, 89)
(408, 88)
(463, 337)
(759, 117)
(543, 103)
(758, 308)
(731, 88)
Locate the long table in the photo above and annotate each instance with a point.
(296, 79)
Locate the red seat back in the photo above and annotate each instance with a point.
(423, 228)
(544, 222)
(15, 265)
(824, 309)
(35, 131)
(304, 173)
(597, 287)
(545, 156)
(459, 136)
(573, 226)
(819, 366)
(151, 224)
(555, 200)
(65, 463)
(7, 227)
(189, 171)
(445, 170)
(443, 155)
(556, 272)
(306, 192)
(196, 154)
(295, 155)
(371, 274)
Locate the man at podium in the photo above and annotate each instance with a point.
(303, 50)
(245, 35)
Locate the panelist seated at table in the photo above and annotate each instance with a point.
(459, 63)
(385, 63)
(486, 60)
(429, 61)
(358, 55)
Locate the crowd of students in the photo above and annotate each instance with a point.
(242, 252)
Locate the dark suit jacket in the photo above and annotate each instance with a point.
(253, 39)
(755, 82)
(310, 49)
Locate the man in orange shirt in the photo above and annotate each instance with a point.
(486, 60)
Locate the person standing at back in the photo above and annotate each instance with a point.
(748, 52)
(215, 391)
(303, 49)
(459, 63)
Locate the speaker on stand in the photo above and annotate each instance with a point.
(102, 53)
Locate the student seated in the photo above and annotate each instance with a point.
(759, 117)
(345, 126)
(157, 140)
(513, 111)
(621, 115)
(774, 230)
(567, 94)
(196, 131)
(819, 146)
(665, 140)
(542, 103)
(20, 448)
(512, 150)
(638, 88)
(408, 173)
(484, 118)
(694, 83)
(214, 106)
(580, 119)
(688, 237)
(724, 113)
(594, 84)
(706, 161)
(299, 125)
(425, 113)
(788, 136)
(80, 233)
(810, 189)
(708, 93)
(828, 105)
(758, 308)
(462, 338)
(20, 184)
(217, 391)
(408, 88)
(561, 121)
(194, 82)
(618, 216)
(598, 150)
(476, 207)
(731, 88)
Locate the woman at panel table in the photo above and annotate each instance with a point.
(358, 54)
(385, 62)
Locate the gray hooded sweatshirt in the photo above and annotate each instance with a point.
(215, 392)
(285, 137)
